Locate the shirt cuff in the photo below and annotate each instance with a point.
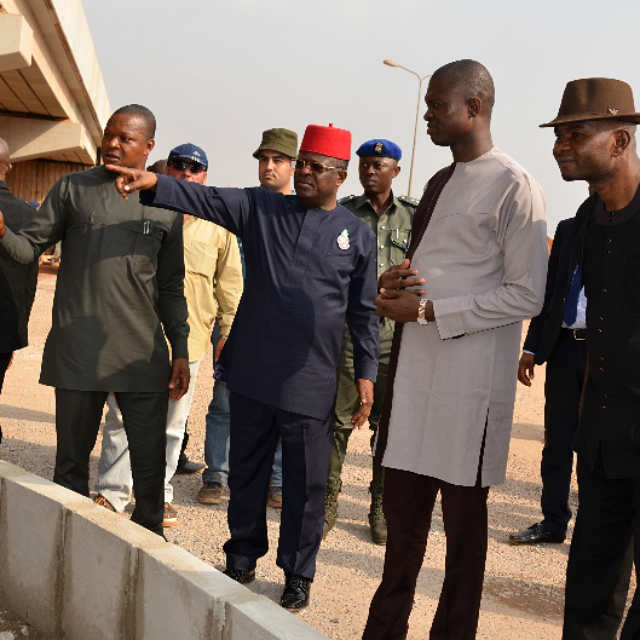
(179, 347)
(448, 318)
(150, 196)
(531, 353)
(367, 369)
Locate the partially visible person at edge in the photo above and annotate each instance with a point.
(480, 268)
(17, 281)
(389, 217)
(595, 141)
(185, 466)
(212, 285)
(310, 264)
(118, 293)
(558, 337)
(276, 155)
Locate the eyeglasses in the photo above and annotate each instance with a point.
(316, 167)
(181, 164)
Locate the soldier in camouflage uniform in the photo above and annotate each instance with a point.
(390, 217)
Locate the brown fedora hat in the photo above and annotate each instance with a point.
(596, 99)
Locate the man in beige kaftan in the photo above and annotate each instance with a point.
(479, 258)
(483, 259)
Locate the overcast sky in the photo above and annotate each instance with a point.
(217, 72)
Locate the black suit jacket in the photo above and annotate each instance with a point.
(17, 281)
(544, 329)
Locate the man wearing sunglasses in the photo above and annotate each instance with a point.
(390, 218)
(310, 264)
(212, 286)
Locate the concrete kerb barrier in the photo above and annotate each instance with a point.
(74, 570)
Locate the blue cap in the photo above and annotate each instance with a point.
(380, 147)
(189, 151)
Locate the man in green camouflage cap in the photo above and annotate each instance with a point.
(276, 155)
(390, 217)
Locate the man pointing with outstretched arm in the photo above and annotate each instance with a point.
(310, 264)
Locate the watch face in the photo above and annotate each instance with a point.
(422, 309)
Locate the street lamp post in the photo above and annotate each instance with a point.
(421, 79)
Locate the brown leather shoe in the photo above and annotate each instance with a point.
(211, 493)
(101, 501)
(170, 518)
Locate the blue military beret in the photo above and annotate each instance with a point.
(189, 151)
(380, 147)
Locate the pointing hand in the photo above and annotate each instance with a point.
(131, 180)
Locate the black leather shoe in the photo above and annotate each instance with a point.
(536, 534)
(243, 576)
(187, 466)
(296, 593)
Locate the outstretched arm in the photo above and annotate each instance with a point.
(227, 207)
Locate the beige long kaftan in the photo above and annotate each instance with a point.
(484, 257)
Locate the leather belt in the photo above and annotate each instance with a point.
(578, 334)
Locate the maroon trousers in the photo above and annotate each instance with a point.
(408, 504)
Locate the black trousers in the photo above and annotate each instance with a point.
(5, 359)
(408, 505)
(144, 416)
(605, 538)
(255, 429)
(563, 385)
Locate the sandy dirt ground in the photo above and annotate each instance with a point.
(523, 594)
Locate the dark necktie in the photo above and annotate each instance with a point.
(571, 306)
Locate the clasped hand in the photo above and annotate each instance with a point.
(395, 300)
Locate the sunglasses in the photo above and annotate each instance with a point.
(316, 167)
(181, 164)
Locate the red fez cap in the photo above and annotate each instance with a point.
(327, 141)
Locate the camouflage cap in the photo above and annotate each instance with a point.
(284, 141)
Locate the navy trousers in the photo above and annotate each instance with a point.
(563, 385)
(255, 429)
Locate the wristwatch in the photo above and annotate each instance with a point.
(422, 308)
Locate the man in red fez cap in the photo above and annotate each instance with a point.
(310, 264)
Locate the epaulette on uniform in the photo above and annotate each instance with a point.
(412, 202)
(347, 199)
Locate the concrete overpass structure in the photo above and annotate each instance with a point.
(53, 101)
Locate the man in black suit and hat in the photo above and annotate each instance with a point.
(595, 141)
(17, 281)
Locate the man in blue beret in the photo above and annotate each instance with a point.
(390, 217)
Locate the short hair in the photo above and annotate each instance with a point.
(474, 77)
(139, 111)
(159, 166)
